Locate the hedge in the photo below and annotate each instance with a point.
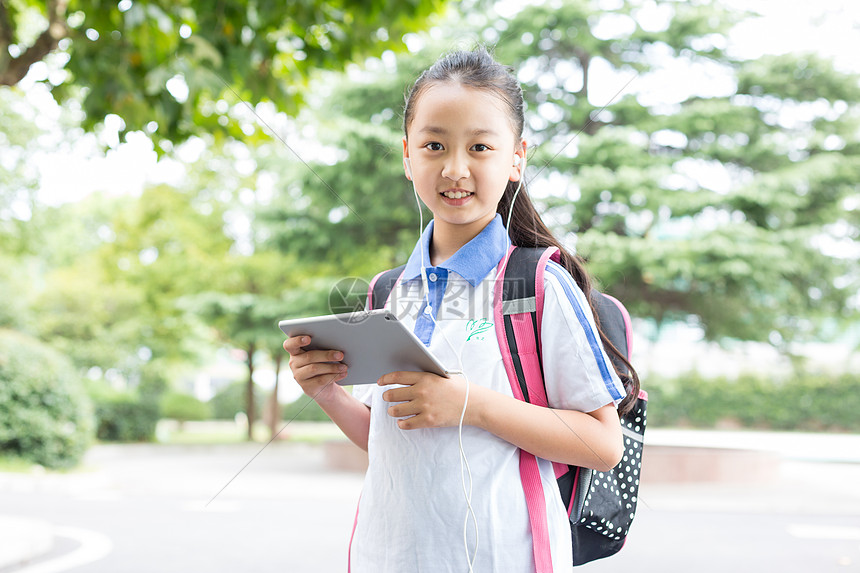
(184, 407)
(304, 409)
(123, 417)
(806, 401)
(45, 415)
(232, 399)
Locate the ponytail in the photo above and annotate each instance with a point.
(527, 229)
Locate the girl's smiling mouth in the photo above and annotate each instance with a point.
(457, 194)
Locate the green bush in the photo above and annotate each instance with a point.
(304, 410)
(231, 400)
(123, 417)
(45, 416)
(184, 407)
(805, 401)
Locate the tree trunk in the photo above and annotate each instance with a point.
(250, 397)
(275, 412)
(13, 70)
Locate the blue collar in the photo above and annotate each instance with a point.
(473, 261)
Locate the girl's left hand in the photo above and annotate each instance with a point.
(432, 401)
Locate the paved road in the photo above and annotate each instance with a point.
(284, 512)
(144, 509)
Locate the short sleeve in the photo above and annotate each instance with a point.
(364, 393)
(577, 371)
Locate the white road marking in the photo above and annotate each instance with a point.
(94, 546)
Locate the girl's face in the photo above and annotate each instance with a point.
(461, 150)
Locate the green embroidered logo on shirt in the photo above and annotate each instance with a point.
(476, 327)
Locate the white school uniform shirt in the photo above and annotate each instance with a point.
(412, 508)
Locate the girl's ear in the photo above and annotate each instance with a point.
(407, 167)
(518, 166)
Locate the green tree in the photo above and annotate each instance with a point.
(716, 205)
(352, 208)
(261, 289)
(171, 68)
(138, 255)
(18, 184)
(723, 204)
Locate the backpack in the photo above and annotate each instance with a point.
(601, 505)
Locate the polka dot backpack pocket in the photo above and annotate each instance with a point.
(601, 505)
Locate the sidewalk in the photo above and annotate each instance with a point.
(762, 472)
(793, 464)
(794, 446)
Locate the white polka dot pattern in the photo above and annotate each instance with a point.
(608, 499)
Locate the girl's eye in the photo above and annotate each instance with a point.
(434, 146)
(480, 147)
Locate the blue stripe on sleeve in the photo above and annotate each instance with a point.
(566, 282)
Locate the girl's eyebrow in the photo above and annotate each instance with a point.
(442, 131)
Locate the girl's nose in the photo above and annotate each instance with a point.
(456, 167)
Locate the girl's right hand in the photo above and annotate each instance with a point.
(316, 371)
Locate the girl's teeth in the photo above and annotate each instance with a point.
(455, 194)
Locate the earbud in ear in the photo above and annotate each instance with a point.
(517, 160)
(408, 167)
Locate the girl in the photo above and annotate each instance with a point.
(464, 153)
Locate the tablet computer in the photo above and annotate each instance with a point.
(373, 343)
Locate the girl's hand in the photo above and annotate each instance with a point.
(316, 371)
(432, 401)
(592, 440)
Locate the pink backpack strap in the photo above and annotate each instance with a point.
(370, 287)
(515, 325)
(536, 386)
(352, 535)
(519, 316)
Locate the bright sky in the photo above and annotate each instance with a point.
(829, 27)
